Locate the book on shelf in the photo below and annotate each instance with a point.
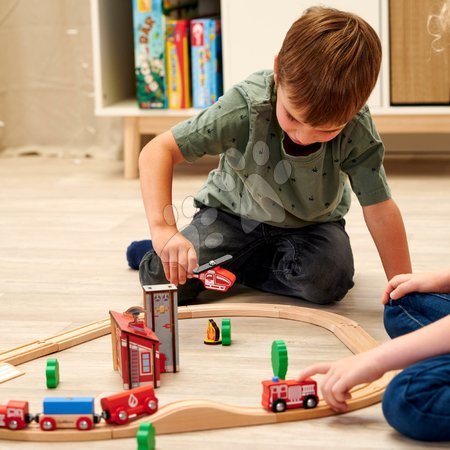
(177, 64)
(148, 23)
(206, 61)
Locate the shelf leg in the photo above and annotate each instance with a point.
(131, 147)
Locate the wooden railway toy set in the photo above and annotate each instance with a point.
(145, 345)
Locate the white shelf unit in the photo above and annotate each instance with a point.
(252, 32)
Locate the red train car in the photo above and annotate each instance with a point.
(15, 415)
(279, 395)
(119, 408)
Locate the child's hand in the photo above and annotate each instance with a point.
(177, 254)
(342, 375)
(403, 284)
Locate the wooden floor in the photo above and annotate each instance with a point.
(64, 228)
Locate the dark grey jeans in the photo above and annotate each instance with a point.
(314, 263)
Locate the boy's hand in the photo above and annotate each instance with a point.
(341, 376)
(404, 284)
(177, 254)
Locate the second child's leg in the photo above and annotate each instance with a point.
(414, 311)
(416, 402)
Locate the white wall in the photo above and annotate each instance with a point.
(46, 81)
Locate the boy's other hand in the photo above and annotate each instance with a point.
(404, 284)
(177, 254)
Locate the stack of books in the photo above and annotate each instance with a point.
(177, 59)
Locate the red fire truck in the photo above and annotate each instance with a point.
(14, 415)
(119, 408)
(279, 395)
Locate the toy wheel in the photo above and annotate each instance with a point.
(121, 416)
(150, 405)
(310, 402)
(47, 424)
(13, 424)
(279, 405)
(84, 423)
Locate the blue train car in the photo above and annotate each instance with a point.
(69, 412)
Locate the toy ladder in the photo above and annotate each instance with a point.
(134, 366)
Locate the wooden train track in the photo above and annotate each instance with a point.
(195, 415)
(56, 343)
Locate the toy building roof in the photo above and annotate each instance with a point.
(159, 287)
(125, 323)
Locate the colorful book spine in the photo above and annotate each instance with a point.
(148, 21)
(205, 61)
(177, 64)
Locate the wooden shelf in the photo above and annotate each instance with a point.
(247, 47)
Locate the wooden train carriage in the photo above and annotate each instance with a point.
(68, 412)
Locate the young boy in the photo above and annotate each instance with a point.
(416, 402)
(417, 316)
(288, 140)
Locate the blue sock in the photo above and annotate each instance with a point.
(136, 251)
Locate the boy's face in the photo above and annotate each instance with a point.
(292, 123)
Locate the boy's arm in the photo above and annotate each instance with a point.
(401, 352)
(385, 224)
(156, 163)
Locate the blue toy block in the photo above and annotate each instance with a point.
(68, 405)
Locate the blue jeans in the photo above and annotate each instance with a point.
(417, 401)
(314, 263)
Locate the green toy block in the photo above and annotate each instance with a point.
(226, 332)
(146, 436)
(279, 359)
(52, 373)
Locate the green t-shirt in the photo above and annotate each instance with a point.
(257, 179)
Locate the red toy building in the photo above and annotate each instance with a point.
(135, 350)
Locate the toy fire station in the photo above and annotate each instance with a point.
(145, 340)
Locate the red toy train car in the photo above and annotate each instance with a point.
(279, 395)
(119, 408)
(15, 415)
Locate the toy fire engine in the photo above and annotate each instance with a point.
(279, 395)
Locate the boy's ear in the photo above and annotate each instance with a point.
(275, 66)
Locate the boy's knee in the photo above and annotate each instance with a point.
(326, 285)
(323, 295)
(330, 283)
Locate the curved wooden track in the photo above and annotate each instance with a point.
(195, 415)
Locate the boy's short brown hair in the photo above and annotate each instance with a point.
(328, 65)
